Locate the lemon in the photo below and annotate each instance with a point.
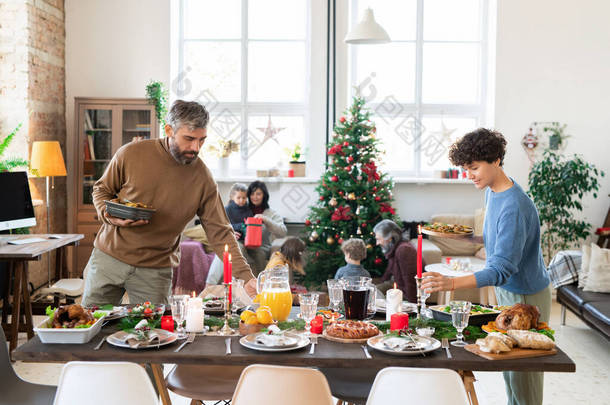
(251, 320)
(264, 316)
(246, 314)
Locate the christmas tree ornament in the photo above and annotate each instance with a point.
(313, 236)
(369, 247)
(359, 178)
(350, 159)
(358, 232)
(307, 222)
(378, 261)
(377, 198)
(330, 240)
(352, 196)
(321, 198)
(317, 254)
(363, 225)
(345, 144)
(358, 210)
(341, 193)
(342, 119)
(333, 202)
(334, 179)
(340, 241)
(336, 236)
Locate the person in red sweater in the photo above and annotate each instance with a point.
(401, 256)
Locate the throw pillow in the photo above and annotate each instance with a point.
(598, 279)
(197, 233)
(479, 220)
(584, 268)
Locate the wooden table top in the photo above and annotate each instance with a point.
(33, 250)
(211, 349)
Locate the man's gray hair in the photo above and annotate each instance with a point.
(388, 230)
(187, 113)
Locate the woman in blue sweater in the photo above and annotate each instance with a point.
(511, 235)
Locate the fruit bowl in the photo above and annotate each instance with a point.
(246, 329)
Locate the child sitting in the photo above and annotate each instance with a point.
(354, 251)
(238, 209)
(290, 254)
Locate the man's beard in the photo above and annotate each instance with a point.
(179, 156)
(387, 248)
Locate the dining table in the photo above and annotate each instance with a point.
(210, 350)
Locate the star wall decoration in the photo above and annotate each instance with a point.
(270, 132)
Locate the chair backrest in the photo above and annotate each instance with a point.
(261, 384)
(100, 383)
(7, 374)
(431, 386)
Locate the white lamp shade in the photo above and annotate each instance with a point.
(367, 31)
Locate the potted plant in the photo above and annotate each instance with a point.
(295, 164)
(156, 93)
(557, 186)
(8, 164)
(223, 149)
(557, 135)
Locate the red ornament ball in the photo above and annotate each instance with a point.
(321, 198)
(375, 188)
(363, 225)
(342, 119)
(307, 222)
(341, 193)
(336, 236)
(377, 198)
(334, 179)
(318, 221)
(350, 159)
(340, 241)
(378, 261)
(345, 144)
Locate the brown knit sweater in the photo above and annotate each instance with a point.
(146, 172)
(402, 264)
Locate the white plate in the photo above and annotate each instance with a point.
(249, 342)
(406, 306)
(376, 342)
(165, 339)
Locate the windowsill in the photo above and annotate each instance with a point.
(311, 180)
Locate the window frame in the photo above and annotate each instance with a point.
(418, 109)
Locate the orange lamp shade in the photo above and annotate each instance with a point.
(47, 160)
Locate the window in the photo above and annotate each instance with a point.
(428, 86)
(248, 62)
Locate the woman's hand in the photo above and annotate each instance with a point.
(237, 235)
(434, 282)
(261, 216)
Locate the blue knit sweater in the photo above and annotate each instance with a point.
(512, 243)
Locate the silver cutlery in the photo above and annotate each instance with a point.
(366, 352)
(97, 347)
(314, 342)
(189, 339)
(445, 345)
(228, 345)
(416, 344)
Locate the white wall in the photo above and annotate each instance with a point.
(553, 58)
(553, 62)
(113, 49)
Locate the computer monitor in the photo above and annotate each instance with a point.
(16, 208)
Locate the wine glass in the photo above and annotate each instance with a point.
(460, 312)
(335, 293)
(178, 307)
(236, 286)
(425, 312)
(309, 306)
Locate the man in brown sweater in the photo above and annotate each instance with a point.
(166, 174)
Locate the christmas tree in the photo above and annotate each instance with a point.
(354, 197)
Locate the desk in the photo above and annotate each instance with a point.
(210, 350)
(18, 257)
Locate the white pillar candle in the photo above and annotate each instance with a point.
(393, 302)
(194, 315)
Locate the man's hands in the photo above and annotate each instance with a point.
(124, 222)
(250, 287)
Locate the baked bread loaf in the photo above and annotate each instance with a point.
(519, 316)
(531, 340)
(496, 342)
(352, 330)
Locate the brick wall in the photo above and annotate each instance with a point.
(32, 91)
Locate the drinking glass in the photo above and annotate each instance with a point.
(236, 286)
(335, 293)
(178, 307)
(309, 306)
(425, 312)
(371, 307)
(460, 312)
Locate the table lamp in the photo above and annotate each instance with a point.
(47, 161)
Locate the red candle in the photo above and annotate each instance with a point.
(399, 321)
(167, 323)
(317, 324)
(419, 243)
(230, 279)
(225, 262)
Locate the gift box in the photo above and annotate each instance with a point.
(254, 232)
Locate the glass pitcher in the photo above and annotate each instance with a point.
(273, 288)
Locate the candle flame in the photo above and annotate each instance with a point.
(394, 285)
(226, 248)
(193, 294)
(419, 229)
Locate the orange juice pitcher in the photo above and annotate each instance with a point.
(274, 289)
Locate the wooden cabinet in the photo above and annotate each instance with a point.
(102, 126)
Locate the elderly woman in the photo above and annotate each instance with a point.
(273, 226)
(401, 256)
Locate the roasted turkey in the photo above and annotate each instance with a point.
(519, 316)
(69, 316)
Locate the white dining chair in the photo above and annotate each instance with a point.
(261, 384)
(431, 386)
(101, 383)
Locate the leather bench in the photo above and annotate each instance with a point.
(591, 307)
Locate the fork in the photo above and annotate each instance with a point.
(445, 345)
(366, 352)
(314, 342)
(97, 347)
(228, 346)
(189, 339)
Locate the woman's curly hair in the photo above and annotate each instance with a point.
(480, 144)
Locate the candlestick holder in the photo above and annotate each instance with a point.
(226, 329)
(418, 281)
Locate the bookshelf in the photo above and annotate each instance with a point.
(102, 126)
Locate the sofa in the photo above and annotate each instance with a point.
(591, 307)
